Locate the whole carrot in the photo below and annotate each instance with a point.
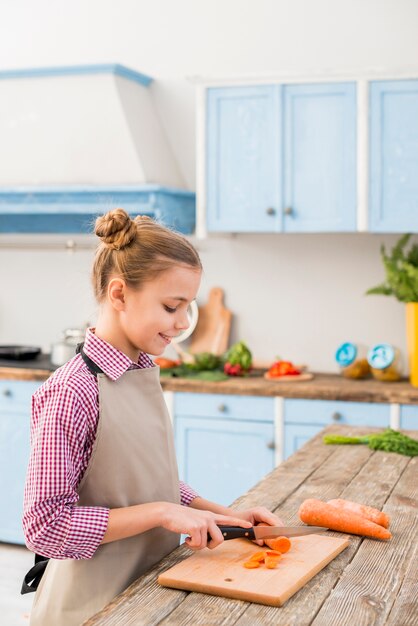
(318, 513)
(370, 513)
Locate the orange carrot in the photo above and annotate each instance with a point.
(251, 564)
(374, 515)
(318, 513)
(273, 553)
(271, 562)
(281, 544)
(258, 556)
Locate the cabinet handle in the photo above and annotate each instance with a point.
(271, 445)
(6, 393)
(288, 210)
(271, 211)
(222, 408)
(337, 417)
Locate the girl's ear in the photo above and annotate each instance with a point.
(116, 293)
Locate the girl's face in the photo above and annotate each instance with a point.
(152, 316)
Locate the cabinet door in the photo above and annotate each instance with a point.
(394, 156)
(243, 159)
(14, 455)
(304, 418)
(220, 458)
(409, 417)
(320, 157)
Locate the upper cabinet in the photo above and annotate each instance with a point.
(394, 156)
(281, 158)
(326, 156)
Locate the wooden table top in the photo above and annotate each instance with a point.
(321, 387)
(371, 582)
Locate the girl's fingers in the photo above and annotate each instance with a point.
(224, 520)
(216, 536)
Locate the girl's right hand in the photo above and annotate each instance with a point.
(197, 524)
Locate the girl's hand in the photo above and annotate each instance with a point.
(257, 515)
(198, 523)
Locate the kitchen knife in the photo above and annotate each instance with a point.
(264, 532)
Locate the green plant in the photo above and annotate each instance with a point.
(401, 272)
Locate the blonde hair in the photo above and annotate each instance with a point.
(136, 250)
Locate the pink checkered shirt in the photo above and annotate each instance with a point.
(65, 412)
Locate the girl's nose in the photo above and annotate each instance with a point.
(182, 322)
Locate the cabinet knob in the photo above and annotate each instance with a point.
(271, 211)
(6, 393)
(222, 408)
(337, 417)
(271, 445)
(288, 210)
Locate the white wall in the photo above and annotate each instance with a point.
(313, 298)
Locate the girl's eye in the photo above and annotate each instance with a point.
(169, 309)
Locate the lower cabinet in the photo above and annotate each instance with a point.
(305, 418)
(15, 398)
(225, 444)
(409, 417)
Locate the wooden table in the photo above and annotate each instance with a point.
(370, 583)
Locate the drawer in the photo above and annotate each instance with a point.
(327, 412)
(227, 406)
(17, 394)
(409, 417)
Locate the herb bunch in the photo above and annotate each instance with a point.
(401, 272)
(389, 441)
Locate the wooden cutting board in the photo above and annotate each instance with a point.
(220, 572)
(212, 331)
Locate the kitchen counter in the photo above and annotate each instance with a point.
(321, 387)
(370, 582)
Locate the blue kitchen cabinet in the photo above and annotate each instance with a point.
(394, 156)
(15, 398)
(281, 158)
(224, 443)
(305, 418)
(409, 417)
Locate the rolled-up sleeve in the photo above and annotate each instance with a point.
(187, 494)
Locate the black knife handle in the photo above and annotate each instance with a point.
(235, 532)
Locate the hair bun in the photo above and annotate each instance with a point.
(116, 229)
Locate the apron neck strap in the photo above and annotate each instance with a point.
(94, 369)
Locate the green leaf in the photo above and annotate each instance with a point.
(401, 272)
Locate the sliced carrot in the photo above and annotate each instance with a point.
(271, 562)
(318, 513)
(281, 544)
(273, 553)
(258, 556)
(370, 513)
(251, 564)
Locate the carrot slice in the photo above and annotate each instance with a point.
(258, 556)
(281, 544)
(251, 564)
(273, 553)
(370, 513)
(271, 562)
(318, 513)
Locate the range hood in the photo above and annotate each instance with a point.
(77, 141)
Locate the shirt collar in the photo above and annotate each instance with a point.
(113, 362)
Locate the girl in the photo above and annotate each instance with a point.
(103, 500)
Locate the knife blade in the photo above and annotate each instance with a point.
(264, 532)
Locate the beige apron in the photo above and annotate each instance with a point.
(133, 462)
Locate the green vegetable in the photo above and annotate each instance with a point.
(239, 354)
(401, 272)
(189, 371)
(390, 441)
(207, 361)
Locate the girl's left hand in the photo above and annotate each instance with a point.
(257, 515)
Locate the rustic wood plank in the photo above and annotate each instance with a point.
(405, 607)
(369, 585)
(366, 485)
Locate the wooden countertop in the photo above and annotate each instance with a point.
(321, 387)
(370, 582)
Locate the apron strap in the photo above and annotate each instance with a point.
(34, 575)
(94, 369)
